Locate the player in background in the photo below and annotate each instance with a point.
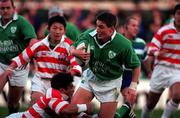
(165, 48)
(109, 51)
(52, 55)
(16, 33)
(61, 84)
(130, 31)
(72, 31)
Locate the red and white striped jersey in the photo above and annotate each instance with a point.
(49, 61)
(52, 99)
(166, 38)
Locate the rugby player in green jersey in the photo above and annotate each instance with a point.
(109, 51)
(16, 33)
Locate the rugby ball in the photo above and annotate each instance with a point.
(86, 49)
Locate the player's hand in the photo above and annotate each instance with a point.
(4, 78)
(80, 53)
(73, 72)
(131, 96)
(161, 52)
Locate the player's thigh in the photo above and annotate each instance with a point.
(175, 92)
(15, 93)
(152, 99)
(107, 109)
(35, 96)
(82, 96)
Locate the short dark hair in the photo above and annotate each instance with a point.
(177, 7)
(57, 19)
(108, 18)
(12, 2)
(61, 80)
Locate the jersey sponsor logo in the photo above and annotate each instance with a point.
(111, 54)
(13, 29)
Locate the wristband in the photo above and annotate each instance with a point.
(133, 85)
(81, 107)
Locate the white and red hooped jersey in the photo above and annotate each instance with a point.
(167, 38)
(49, 61)
(52, 99)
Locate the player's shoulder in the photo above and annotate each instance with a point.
(68, 41)
(140, 40)
(166, 28)
(21, 18)
(120, 39)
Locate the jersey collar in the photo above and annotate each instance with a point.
(46, 41)
(15, 17)
(93, 34)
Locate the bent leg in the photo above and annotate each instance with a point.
(107, 110)
(173, 103)
(82, 96)
(14, 96)
(151, 102)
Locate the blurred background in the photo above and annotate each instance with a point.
(152, 14)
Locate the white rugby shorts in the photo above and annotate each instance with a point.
(163, 77)
(19, 76)
(104, 91)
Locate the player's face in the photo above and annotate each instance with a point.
(177, 18)
(70, 90)
(56, 31)
(133, 27)
(6, 10)
(103, 32)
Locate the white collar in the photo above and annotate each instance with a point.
(93, 34)
(15, 17)
(46, 41)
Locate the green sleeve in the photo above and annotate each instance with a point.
(130, 58)
(27, 29)
(83, 37)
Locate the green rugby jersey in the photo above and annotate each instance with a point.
(15, 37)
(106, 60)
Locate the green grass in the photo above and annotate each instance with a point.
(156, 113)
(4, 111)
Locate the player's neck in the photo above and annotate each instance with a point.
(5, 21)
(53, 42)
(128, 36)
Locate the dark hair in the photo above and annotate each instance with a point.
(177, 7)
(61, 80)
(57, 19)
(108, 18)
(12, 2)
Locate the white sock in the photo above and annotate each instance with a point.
(169, 108)
(145, 112)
